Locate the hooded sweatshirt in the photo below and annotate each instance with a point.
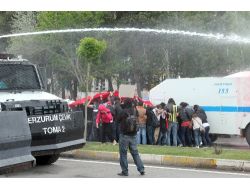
(104, 115)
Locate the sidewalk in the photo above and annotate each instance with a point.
(165, 160)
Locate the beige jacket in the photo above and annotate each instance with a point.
(142, 117)
(197, 123)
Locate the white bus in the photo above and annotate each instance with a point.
(226, 100)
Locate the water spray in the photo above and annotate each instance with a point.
(218, 36)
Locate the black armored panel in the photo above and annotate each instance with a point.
(15, 139)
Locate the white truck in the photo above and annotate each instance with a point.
(226, 100)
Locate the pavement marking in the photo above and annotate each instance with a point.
(157, 167)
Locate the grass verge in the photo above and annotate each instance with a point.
(175, 151)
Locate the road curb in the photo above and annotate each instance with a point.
(166, 160)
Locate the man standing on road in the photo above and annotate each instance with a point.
(127, 119)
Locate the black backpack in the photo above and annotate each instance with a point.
(131, 123)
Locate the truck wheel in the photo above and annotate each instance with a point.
(213, 137)
(248, 135)
(46, 160)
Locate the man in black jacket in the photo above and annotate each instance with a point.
(128, 140)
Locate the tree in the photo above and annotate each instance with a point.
(63, 46)
(89, 52)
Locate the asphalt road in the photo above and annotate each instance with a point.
(70, 168)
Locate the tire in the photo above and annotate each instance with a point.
(213, 137)
(248, 135)
(47, 160)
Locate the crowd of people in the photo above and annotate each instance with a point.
(165, 124)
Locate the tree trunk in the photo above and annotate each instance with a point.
(63, 91)
(138, 84)
(52, 81)
(110, 84)
(71, 91)
(46, 66)
(86, 103)
(75, 83)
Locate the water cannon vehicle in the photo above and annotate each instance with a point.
(35, 126)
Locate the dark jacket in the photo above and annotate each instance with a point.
(122, 116)
(163, 123)
(201, 114)
(118, 110)
(149, 113)
(112, 109)
(186, 113)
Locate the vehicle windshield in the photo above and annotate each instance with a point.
(18, 77)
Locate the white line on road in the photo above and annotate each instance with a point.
(157, 167)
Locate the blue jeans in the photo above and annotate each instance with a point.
(129, 142)
(162, 139)
(189, 136)
(197, 137)
(179, 142)
(141, 134)
(183, 135)
(205, 137)
(172, 129)
(186, 134)
(150, 134)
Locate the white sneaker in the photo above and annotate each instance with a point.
(197, 147)
(114, 142)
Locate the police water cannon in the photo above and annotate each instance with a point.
(42, 122)
(226, 100)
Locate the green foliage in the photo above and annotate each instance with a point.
(91, 49)
(63, 20)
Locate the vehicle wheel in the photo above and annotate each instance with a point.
(248, 135)
(46, 160)
(213, 137)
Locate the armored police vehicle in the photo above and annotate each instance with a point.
(33, 123)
